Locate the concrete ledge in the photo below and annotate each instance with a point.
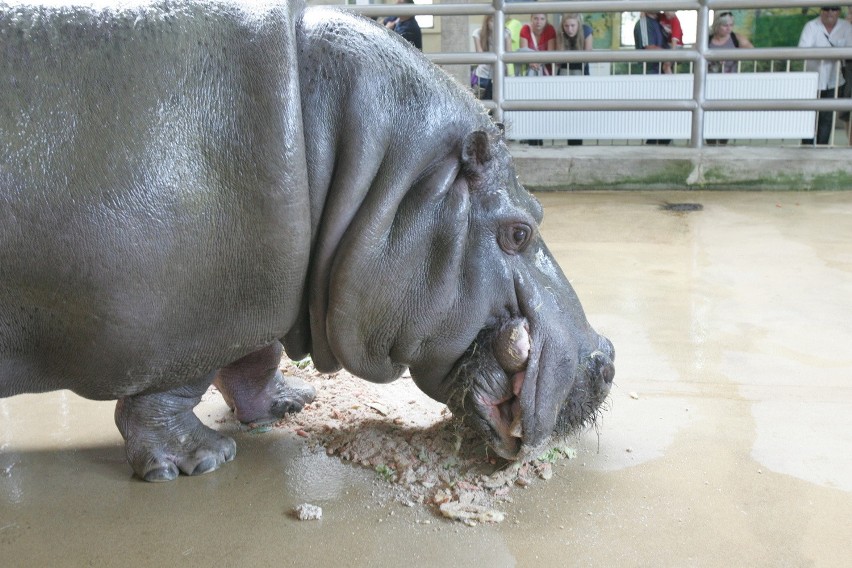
(568, 168)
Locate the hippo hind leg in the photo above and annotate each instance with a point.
(164, 437)
(257, 391)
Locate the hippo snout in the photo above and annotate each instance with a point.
(488, 382)
(605, 346)
(591, 387)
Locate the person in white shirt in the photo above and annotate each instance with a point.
(826, 31)
(482, 43)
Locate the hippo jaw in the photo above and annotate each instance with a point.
(493, 381)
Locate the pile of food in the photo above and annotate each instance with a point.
(427, 456)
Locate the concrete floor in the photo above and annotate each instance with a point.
(732, 327)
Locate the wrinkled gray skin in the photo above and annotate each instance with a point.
(186, 186)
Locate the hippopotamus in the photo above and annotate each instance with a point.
(188, 189)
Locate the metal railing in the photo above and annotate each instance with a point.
(698, 55)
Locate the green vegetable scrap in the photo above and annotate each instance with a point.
(557, 453)
(386, 472)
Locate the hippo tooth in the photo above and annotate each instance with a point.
(516, 430)
(518, 383)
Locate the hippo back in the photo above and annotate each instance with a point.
(154, 221)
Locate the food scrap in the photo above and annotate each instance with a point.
(425, 455)
(307, 512)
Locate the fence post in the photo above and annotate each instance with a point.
(497, 74)
(699, 76)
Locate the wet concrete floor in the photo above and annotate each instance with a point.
(728, 441)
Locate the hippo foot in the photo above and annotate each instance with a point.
(257, 391)
(164, 437)
(281, 396)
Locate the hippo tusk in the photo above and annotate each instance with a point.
(512, 346)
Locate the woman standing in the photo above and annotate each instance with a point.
(723, 37)
(573, 36)
(482, 42)
(538, 35)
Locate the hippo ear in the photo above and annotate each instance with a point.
(476, 152)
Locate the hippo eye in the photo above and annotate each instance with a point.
(515, 237)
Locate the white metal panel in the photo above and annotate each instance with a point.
(760, 124)
(607, 125)
(603, 87)
(625, 125)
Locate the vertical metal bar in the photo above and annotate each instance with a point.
(836, 95)
(699, 78)
(497, 74)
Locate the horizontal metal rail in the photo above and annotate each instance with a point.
(603, 6)
(379, 10)
(677, 55)
(625, 104)
(679, 104)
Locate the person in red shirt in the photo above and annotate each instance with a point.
(538, 35)
(671, 28)
(673, 33)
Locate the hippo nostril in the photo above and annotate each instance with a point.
(602, 367)
(608, 373)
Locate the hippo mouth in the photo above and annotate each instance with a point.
(505, 419)
(490, 377)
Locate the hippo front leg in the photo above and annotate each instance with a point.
(164, 437)
(257, 391)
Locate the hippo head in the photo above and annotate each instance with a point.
(537, 369)
(451, 278)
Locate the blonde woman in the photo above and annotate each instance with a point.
(722, 36)
(573, 35)
(482, 42)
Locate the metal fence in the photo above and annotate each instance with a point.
(696, 56)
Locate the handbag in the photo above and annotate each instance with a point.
(474, 84)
